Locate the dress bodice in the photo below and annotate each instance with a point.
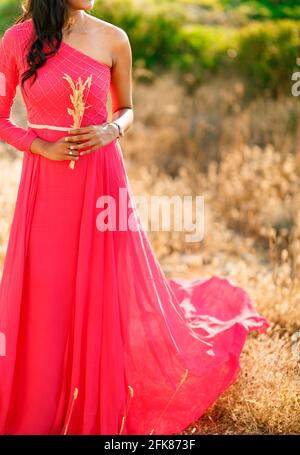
(47, 100)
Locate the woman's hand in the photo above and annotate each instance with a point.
(56, 151)
(87, 139)
(79, 142)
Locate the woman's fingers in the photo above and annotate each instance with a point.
(92, 149)
(81, 134)
(80, 142)
(87, 144)
(71, 151)
(78, 138)
(71, 154)
(82, 130)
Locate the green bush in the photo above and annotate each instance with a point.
(152, 29)
(263, 53)
(266, 9)
(267, 55)
(9, 10)
(203, 52)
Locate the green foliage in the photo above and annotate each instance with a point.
(266, 9)
(152, 29)
(267, 55)
(262, 52)
(202, 52)
(9, 10)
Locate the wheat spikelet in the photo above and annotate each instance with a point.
(78, 99)
(75, 396)
(129, 398)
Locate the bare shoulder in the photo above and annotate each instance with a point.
(110, 31)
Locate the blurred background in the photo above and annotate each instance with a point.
(215, 116)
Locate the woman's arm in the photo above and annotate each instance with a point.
(95, 136)
(18, 137)
(21, 138)
(121, 82)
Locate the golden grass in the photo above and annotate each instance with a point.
(245, 160)
(78, 98)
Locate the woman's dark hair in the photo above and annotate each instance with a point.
(49, 17)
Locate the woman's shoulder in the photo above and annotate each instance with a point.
(18, 34)
(107, 28)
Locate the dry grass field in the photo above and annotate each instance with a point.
(245, 160)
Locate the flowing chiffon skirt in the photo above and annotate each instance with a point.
(99, 341)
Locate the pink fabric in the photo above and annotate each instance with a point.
(89, 309)
(9, 70)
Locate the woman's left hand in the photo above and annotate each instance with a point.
(90, 138)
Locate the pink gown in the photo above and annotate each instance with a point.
(98, 340)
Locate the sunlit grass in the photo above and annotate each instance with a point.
(245, 160)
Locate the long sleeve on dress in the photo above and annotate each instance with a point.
(18, 137)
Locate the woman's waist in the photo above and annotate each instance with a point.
(59, 127)
(53, 132)
(44, 126)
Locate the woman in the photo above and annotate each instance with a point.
(98, 340)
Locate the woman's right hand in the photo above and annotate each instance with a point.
(56, 151)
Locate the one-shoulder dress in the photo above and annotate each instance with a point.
(95, 339)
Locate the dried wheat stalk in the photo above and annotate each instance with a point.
(78, 99)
